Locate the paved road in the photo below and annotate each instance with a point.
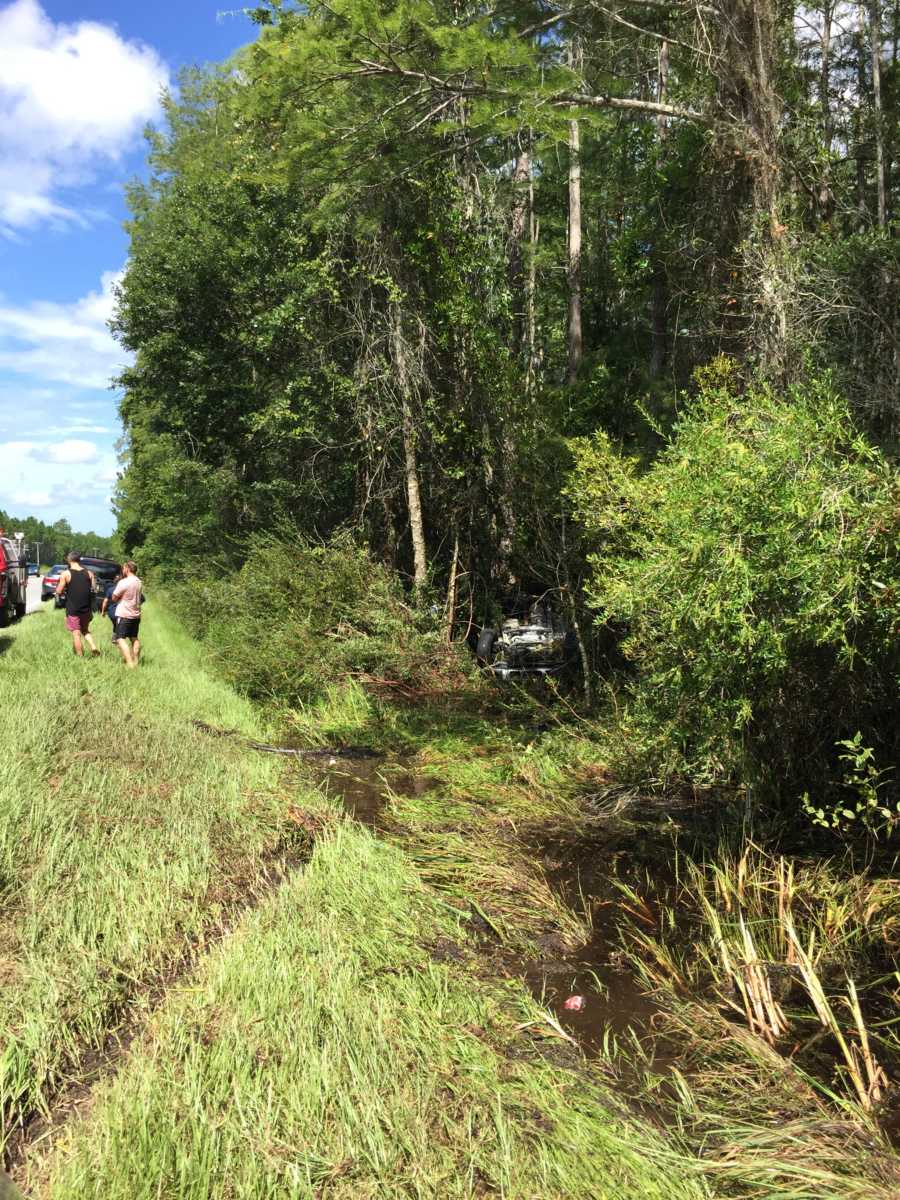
(33, 598)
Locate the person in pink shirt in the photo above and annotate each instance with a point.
(127, 596)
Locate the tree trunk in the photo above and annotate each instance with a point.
(825, 199)
(413, 494)
(875, 45)
(861, 205)
(530, 325)
(518, 228)
(452, 587)
(575, 340)
(660, 300)
(749, 96)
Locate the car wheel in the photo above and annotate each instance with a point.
(21, 609)
(4, 616)
(484, 651)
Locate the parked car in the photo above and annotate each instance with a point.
(535, 641)
(51, 579)
(104, 571)
(13, 582)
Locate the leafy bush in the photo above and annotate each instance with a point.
(756, 566)
(297, 616)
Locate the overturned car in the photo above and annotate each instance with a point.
(536, 641)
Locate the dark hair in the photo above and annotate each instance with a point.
(73, 556)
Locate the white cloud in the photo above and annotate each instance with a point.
(65, 343)
(71, 97)
(67, 453)
(60, 495)
(27, 501)
(10, 452)
(58, 479)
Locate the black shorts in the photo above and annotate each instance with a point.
(127, 627)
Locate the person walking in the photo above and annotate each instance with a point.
(78, 585)
(128, 596)
(108, 607)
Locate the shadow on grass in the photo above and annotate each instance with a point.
(5, 642)
(478, 715)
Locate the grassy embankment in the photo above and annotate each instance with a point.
(322, 1041)
(773, 1046)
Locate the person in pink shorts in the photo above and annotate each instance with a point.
(78, 585)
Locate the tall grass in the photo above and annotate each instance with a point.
(322, 1051)
(124, 836)
(779, 1056)
(778, 945)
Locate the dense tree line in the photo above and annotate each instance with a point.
(395, 257)
(51, 542)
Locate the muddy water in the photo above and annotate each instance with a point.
(585, 869)
(613, 1001)
(362, 784)
(582, 874)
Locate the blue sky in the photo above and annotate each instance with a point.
(78, 83)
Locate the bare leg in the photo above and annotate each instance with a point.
(76, 643)
(93, 645)
(125, 651)
(136, 650)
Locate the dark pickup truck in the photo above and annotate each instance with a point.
(104, 571)
(13, 582)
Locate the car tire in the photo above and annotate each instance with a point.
(21, 609)
(484, 651)
(4, 617)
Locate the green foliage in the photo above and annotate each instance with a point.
(757, 570)
(297, 616)
(346, 307)
(845, 311)
(862, 805)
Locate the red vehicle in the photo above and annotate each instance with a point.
(13, 582)
(51, 579)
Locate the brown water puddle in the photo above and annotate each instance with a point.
(614, 1003)
(362, 784)
(582, 876)
(584, 872)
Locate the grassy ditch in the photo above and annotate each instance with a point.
(188, 1010)
(215, 986)
(125, 841)
(332, 1047)
(525, 829)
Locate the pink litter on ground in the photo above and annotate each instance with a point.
(575, 1004)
